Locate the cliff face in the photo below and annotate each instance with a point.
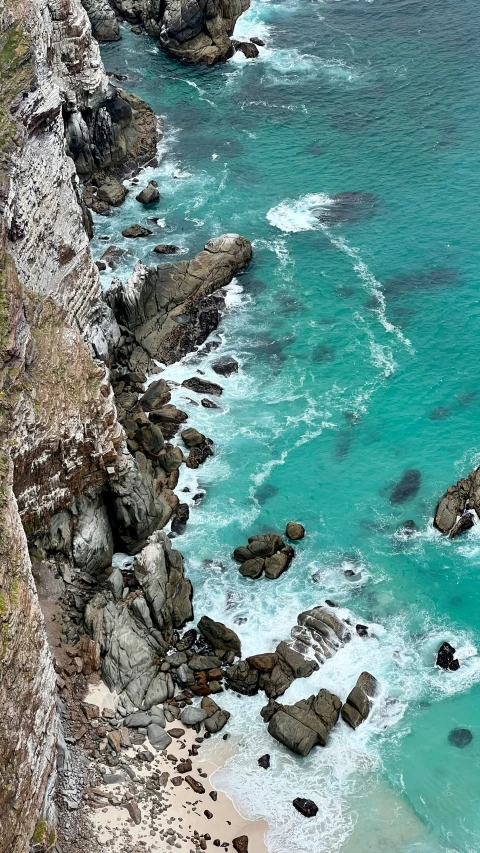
(59, 434)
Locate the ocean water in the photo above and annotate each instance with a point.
(356, 330)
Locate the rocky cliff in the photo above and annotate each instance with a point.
(194, 30)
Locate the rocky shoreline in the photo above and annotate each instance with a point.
(90, 453)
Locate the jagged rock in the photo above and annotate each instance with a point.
(240, 844)
(225, 366)
(166, 249)
(200, 33)
(464, 523)
(199, 454)
(157, 395)
(153, 299)
(264, 552)
(305, 724)
(149, 194)
(116, 584)
(170, 459)
(133, 504)
(249, 49)
(136, 231)
(278, 563)
(219, 636)
(306, 807)
(357, 707)
(289, 665)
(264, 663)
(446, 657)
(258, 41)
(169, 419)
(264, 761)
(133, 636)
(199, 663)
(104, 23)
(294, 531)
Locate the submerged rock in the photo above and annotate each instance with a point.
(166, 249)
(460, 738)
(347, 207)
(225, 366)
(407, 488)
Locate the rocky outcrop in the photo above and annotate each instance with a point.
(305, 724)
(162, 305)
(193, 30)
(134, 633)
(104, 22)
(452, 514)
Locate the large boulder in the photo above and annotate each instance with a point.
(456, 501)
(160, 305)
(133, 504)
(219, 637)
(305, 724)
(359, 701)
(149, 194)
(200, 32)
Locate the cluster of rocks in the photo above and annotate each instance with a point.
(309, 722)
(446, 658)
(267, 553)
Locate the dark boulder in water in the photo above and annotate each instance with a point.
(429, 280)
(362, 630)
(265, 492)
(407, 528)
(264, 761)
(460, 738)
(407, 488)
(439, 414)
(446, 658)
(225, 366)
(306, 807)
(344, 208)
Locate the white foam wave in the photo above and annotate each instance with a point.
(294, 215)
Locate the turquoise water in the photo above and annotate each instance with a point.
(357, 345)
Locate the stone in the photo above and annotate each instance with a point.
(133, 810)
(243, 678)
(446, 657)
(249, 50)
(192, 437)
(305, 724)
(306, 807)
(140, 719)
(264, 663)
(219, 636)
(464, 523)
(240, 844)
(264, 761)
(184, 766)
(278, 563)
(176, 733)
(149, 194)
(294, 531)
(358, 704)
(258, 41)
(166, 249)
(202, 386)
(158, 737)
(252, 568)
(225, 366)
(104, 23)
(195, 786)
(217, 721)
(112, 192)
(157, 395)
(136, 231)
(191, 716)
(209, 404)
